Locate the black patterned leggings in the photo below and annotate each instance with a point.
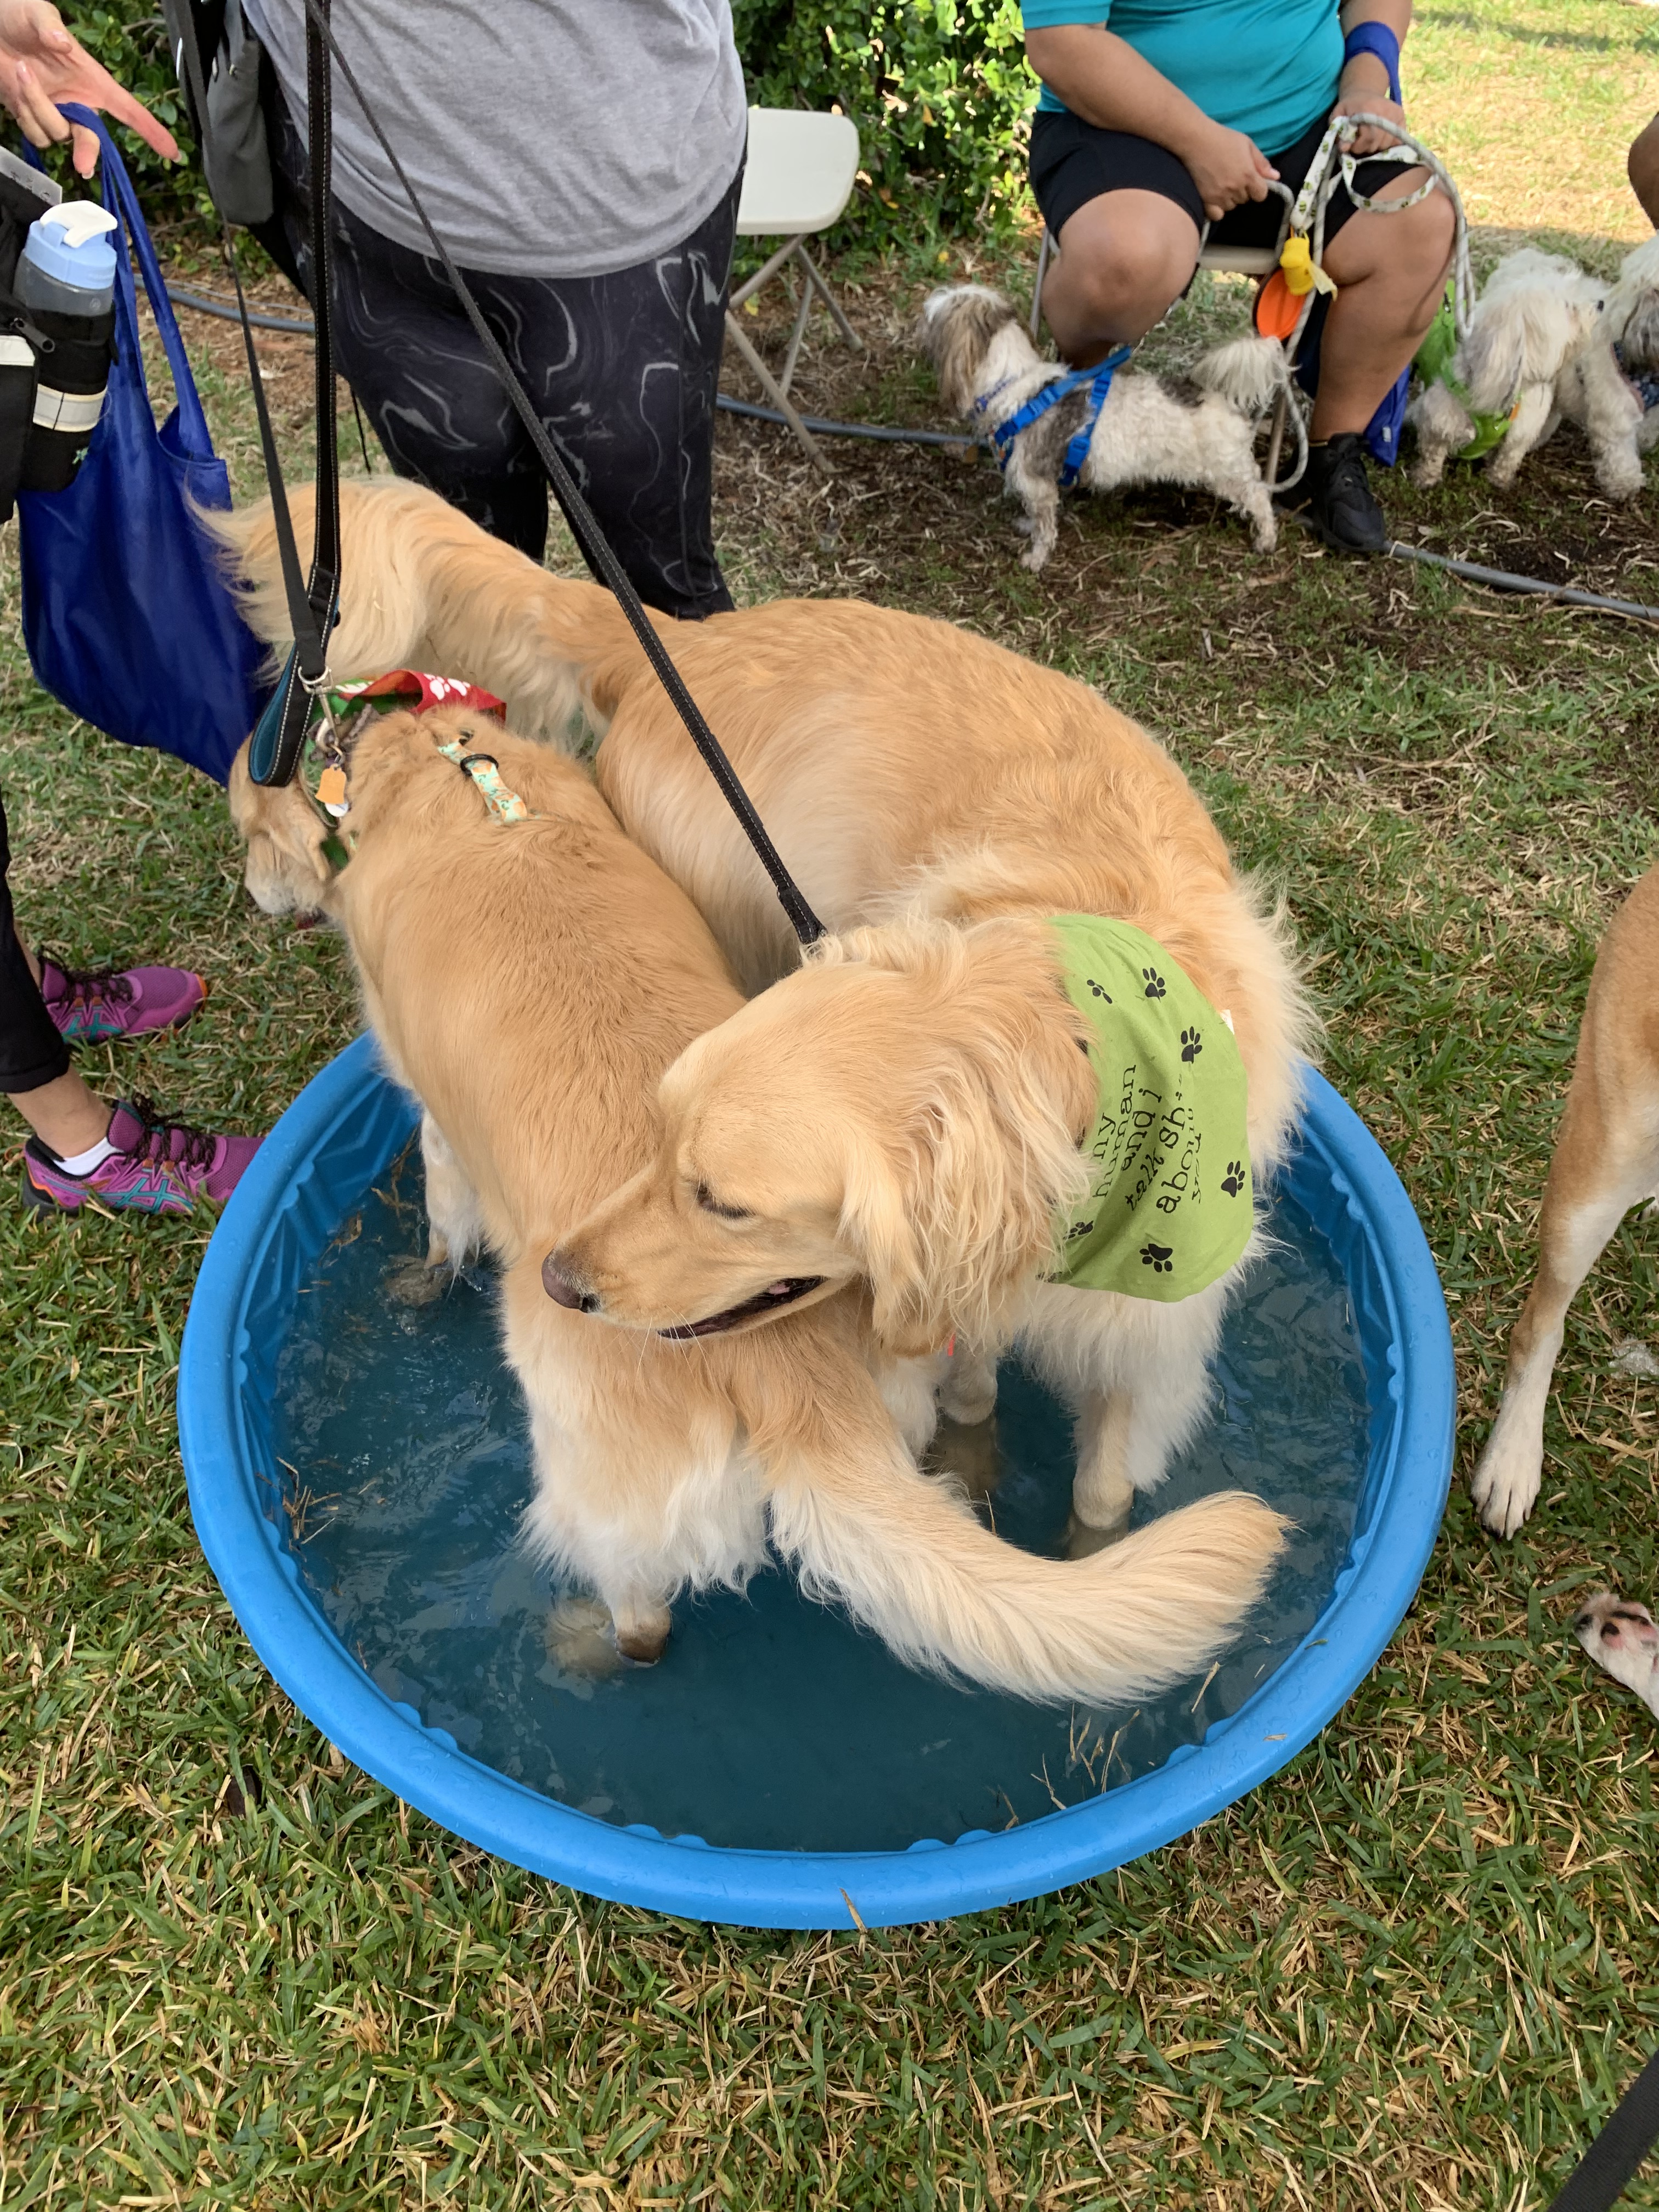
(622, 368)
(31, 1051)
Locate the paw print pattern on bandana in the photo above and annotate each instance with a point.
(1192, 1044)
(1160, 1258)
(1233, 1181)
(1098, 990)
(1154, 982)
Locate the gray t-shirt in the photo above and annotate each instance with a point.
(546, 137)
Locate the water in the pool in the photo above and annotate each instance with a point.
(771, 1721)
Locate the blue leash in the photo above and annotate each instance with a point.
(1099, 382)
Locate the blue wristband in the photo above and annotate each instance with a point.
(1376, 39)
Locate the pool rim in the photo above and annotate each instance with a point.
(684, 1876)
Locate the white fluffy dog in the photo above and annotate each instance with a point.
(1632, 326)
(1197, 430)
(1539, 349)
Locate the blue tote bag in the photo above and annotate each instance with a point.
(127, 616)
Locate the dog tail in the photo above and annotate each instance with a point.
(907, 1558)
(423, 586)
(1249, 372)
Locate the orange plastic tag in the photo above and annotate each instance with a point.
(331, 788)
(1276, 308)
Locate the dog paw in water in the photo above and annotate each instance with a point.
(967, 1452)
(578, 1639)
(1082, 1541)
(411, 1282)
(1622, 1640)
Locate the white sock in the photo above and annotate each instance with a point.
(82, 1164)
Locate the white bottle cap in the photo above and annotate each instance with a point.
(78, 220)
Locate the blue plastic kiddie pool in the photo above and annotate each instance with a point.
(358, 1460)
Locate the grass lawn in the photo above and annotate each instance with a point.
(1412, 1972)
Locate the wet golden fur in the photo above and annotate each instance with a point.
(530, 983)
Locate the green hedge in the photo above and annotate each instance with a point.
(938, 89)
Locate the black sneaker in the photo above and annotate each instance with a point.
(1337, 498)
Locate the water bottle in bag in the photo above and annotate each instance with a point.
(65, 280)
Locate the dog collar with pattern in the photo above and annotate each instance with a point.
(1169, 1208)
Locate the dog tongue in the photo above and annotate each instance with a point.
(776, 1290)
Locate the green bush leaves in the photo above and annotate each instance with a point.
(938, 89)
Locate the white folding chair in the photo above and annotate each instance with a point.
(798, 178)
(1259, 261)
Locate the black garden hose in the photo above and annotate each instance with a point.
(1497, 580)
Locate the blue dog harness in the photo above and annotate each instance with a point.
(1099, 382)
(1645, 382)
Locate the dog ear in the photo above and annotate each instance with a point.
(958, 324)
(953, 1205)
(286, 872)
(1639, 340)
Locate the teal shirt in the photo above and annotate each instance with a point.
(1266, 67)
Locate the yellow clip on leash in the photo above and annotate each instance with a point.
(1302, 272)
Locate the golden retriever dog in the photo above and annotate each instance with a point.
(529, 981)
(1605, 1161)
(935, 797)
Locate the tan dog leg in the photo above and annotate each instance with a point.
(642, 1624)
(452, 1204)
(1125, 1442)
(1103, 1494)
(969, 1395)
(1607, 1160)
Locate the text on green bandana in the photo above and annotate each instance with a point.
(1169, 1208)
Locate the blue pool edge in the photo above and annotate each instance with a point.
(776, 1889)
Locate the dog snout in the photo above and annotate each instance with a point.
(561, 1287)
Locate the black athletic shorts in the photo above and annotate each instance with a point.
(1072, 162)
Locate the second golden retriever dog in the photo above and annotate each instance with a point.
(939, 800)
(529, 980)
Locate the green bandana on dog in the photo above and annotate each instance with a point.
(1168, 1207)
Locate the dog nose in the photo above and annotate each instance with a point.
(563, 1290)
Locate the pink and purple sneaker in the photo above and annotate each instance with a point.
(157, 1166)
(88, 1005)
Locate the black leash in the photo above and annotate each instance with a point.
(274, 750)
(1608, 2167)
(320, 43)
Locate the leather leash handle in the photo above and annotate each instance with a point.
(279, 736)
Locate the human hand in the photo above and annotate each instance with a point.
(1357, 95)
(41, 64)
(1228, 169)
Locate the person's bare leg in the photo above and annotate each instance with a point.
(1124, 257)
(1643, 170)
(64, 1114)
(1390, 272)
